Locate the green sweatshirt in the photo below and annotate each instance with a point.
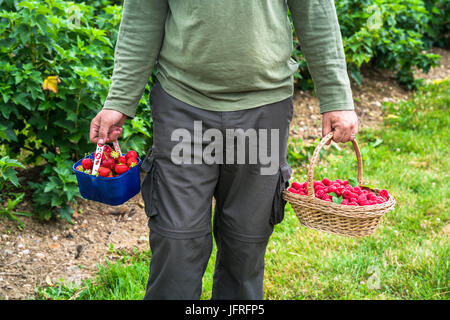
(227, 55)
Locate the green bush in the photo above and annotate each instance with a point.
(389, 35)
(42, 40)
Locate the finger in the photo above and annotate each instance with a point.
(354, 132)
(347, 134)
(338, 134)
(326, 127)
(93, 130)
(103, 131)
(114, 133)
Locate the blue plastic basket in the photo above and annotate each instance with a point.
(112, 191)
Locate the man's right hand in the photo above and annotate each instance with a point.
(106, 127)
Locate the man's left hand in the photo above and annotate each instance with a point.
(344, 123)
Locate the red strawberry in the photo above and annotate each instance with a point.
(107, 149)
(131, 154)
(104, 172)
(121, 168)
(122, 160)
(87, 163)
(131, 162)
(115, 155)
(109, 163)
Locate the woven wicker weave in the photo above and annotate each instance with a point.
(353, 221)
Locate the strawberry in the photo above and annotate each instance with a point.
(109, 163)
(131, 154)
(107, 149)
(122, 160)
(87, 163)
(115, 155)
(104, 172)
(131, 162)
(121, 168)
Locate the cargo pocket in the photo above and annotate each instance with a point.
(148, 187)
(279, 203)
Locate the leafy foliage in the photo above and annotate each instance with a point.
(56, 60)
(389, 35)
(8, 178)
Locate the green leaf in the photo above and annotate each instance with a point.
(353, 182)
(337, 200)
(66, 212)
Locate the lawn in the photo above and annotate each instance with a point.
(407, 257)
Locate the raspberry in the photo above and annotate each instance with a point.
(349, 195)
(339, 181)
(357, 190)
(318, 183)
(293, 190)
(380, 199)
(384, 193)
(326, 197)
(296, 185)
(371, 197)
(320, 193)
(326, 181)
(344, 202)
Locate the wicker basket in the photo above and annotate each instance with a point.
(353, 221)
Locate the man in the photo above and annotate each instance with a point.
(221, 65)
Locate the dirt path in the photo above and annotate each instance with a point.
(44, 253)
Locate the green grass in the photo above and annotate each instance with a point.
(408, 256)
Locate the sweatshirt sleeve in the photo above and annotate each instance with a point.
(139, 41)
(317, 27)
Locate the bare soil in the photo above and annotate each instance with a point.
(44, 253)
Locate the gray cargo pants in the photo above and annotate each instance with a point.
(178, 201)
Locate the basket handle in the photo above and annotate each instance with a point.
(315, 159)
